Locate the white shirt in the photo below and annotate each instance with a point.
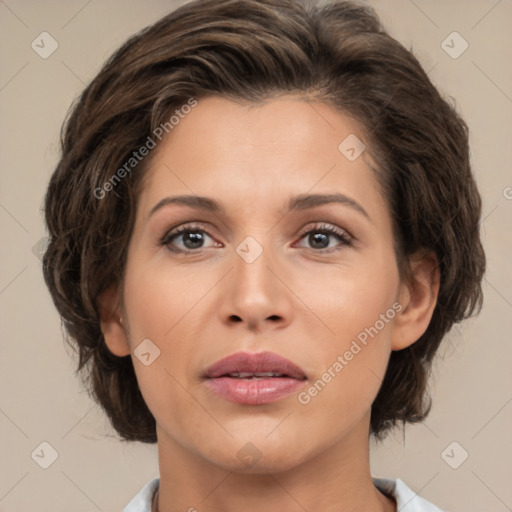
(406, 499)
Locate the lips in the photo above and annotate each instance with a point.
(259, 365)
(254, 379)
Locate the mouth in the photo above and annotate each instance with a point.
(253, 376)
(247, 365)
(254, 379)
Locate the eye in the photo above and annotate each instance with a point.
(192, 237)
(319, 237)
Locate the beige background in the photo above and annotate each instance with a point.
(41, 399)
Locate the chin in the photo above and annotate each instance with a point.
(259, 456)
(272, 463)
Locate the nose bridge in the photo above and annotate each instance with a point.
(254, 280)
(255, 294)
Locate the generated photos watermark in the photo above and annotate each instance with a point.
(138, 155)
(304, 397)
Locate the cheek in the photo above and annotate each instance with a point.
(158, 314)
(351, 371)
(166, 305)
(354, 298)
(158, 298)
(351, 359)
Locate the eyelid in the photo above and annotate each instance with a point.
(325, 226)
(178, 230)
(344, 237)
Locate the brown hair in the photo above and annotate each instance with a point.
(252, 50)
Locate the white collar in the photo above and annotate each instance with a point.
(406, 499)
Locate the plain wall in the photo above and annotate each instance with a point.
(42, 400)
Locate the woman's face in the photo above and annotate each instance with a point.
(255, 276)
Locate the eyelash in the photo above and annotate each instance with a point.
(341, 235)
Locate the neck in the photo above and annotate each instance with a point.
(335, 479)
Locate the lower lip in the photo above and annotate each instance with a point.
(255, 391)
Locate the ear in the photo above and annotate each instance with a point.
(111, 323)
(418, 298)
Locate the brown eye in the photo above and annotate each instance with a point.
(320, 236)
(189, 238)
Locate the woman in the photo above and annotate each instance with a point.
(263, 224)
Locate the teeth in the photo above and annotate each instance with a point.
(256, 375)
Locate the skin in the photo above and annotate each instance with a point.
(296, 299)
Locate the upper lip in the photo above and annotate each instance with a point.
(248, 362)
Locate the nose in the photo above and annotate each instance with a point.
(256, 294)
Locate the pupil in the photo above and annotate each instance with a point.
(194, 238)
(318, 237)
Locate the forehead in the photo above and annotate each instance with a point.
(259, 156)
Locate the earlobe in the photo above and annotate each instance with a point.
(418, 298)
(111, 324)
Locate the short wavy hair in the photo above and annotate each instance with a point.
(251, 51)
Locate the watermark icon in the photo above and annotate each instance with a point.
(249, 249)
(454, 45)
(351, 147)
(507, 193)
(39, 248)
(147, 352)
(143, 151)
(44, 45)
(304, 397)
(44, 455)
(249, 454)
(454, 455)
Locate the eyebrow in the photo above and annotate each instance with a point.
(296, 203)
